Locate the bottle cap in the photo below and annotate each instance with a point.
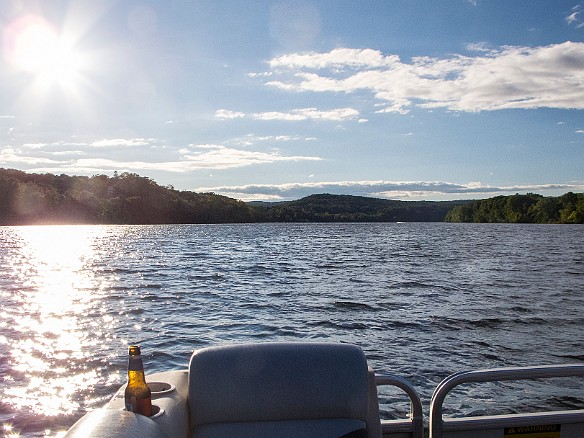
(134, 350)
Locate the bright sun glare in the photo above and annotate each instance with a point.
(35, 46)
(50, 330)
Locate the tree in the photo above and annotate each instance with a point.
(546, 211)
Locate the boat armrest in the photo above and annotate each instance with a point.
(105, 423)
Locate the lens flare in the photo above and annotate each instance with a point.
(34, 45)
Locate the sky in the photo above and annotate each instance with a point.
(277, 100)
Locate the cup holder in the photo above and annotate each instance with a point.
(157, 411)
(160, 388)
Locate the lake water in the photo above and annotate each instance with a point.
(422, 300)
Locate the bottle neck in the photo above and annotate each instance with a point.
(135, 363)
(135, 369)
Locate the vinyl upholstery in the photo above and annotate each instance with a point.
(278, 389)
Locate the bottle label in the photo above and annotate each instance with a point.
(141, 406)
(135, 363)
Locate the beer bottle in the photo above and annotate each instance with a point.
(137, 395)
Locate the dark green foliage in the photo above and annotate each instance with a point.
(132, 199)
(530, 208)
(345, 208)
(128, 198)
(124, 199)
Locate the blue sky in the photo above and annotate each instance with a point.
(276, 100)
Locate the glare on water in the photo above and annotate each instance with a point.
(50, 343)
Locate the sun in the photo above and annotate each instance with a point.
(35, 46)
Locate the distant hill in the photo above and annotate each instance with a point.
(347, 208)
(128, 198)
(27, 198)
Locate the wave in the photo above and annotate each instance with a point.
(351, 305)
(575, 357)
(339, 325)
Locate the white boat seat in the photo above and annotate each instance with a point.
(280, 390)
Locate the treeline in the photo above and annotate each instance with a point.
(129, 198)
(346, 208)
(132, 199)
(123, 199)
(530, 208)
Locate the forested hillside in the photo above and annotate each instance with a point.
(530, 208)
(346, 208)
(124, 199)
(132, 199)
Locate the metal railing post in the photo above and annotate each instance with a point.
(492, 375)
(416, 411)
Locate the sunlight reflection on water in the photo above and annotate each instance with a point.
(49, 345)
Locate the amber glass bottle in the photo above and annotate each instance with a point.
(138, 396)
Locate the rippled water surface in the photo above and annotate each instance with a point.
(422, 300)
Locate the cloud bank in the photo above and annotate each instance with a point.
(108, 155)
(507, 77)
(404, 190)
(294, 115)
(111, 154)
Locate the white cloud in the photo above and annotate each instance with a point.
(53, 146)
(508, 77)
(575, 16)
(397, 106)
(193, 157)
(226, 114)
(221, 157)
(68, 153)
(382, 189)
(251, 139)
(34, 145)
(123, 142)
(185, 159)
(294, 115)
(310, 113)
(337, 58)
(278, 138)
(258, 75)
(479, 47)
(9, 155)
(275, 115)
(572, 17)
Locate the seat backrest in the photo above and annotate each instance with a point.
(278, 382)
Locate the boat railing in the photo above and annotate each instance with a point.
(414, 425)
(547, 424)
